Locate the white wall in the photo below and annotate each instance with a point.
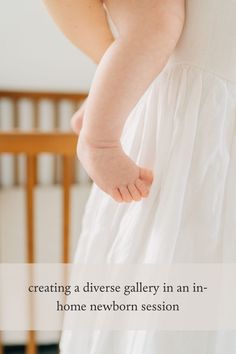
(35, 55)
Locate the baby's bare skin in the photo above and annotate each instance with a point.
(148, 31)
(114, 172)
(125, 71)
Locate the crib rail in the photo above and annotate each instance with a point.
(42, 111)
(32, 144)
(39, 95)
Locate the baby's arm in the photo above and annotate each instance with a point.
(147, 37)
(129, 65)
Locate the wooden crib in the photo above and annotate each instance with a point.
(35, 116)
(33, 142)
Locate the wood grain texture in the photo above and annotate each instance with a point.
(31, 345)
(38, 95)
(75, 99)
(34, 143)
(15, 112)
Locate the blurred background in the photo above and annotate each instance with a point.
(35, 55)
(43, 80)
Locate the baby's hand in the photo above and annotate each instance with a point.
(114, 172)
(77, 118)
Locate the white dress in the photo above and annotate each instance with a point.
(183, 128)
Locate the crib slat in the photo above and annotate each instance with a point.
(67, 180)
(35, 113)
(31, 345)
(16, 125)
(35, 169)
(16, 122)
(56, 126)
(16, 170)
(1, 345)
(36, 103)
(56, 114)
(30, 207)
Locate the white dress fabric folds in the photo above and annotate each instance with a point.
(184, 129)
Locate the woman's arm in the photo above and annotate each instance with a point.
(84, 23)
